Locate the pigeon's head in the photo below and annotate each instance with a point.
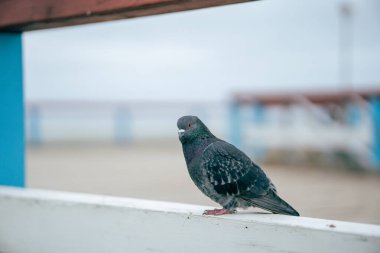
(190, 128)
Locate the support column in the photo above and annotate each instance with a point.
(375, 109)
(11, 111)
(122, 126)
(235, 124)
(259, 113)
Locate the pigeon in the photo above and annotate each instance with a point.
(224, 173)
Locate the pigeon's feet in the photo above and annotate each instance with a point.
(219, 212)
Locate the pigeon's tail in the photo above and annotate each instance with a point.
(273, 203)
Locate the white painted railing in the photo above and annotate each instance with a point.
(36, 221)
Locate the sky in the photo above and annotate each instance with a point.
(208, 54)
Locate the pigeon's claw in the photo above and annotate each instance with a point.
(219, 212)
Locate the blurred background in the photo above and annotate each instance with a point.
(294, 84)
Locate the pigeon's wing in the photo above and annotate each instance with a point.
(231, 172)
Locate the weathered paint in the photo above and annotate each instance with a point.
(46, 221)
(11, 111)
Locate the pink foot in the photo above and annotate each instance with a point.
(218, 212)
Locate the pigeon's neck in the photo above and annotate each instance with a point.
(196, 147)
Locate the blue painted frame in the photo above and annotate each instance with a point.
(12, 170)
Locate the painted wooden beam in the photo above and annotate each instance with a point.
(35, 221)
(11, 110)
(25, 15)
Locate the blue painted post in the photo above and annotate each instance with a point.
(375, 108)
(11, 111)
(122, 126)
(235, 125)
(353, 116)
(258, 149)
(258, 113)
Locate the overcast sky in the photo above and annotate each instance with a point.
(206, 54)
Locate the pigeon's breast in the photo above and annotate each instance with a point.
(199, 176)
(195, 171)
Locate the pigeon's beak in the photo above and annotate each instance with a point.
(181, 132)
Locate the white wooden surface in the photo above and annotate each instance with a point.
(36, 221)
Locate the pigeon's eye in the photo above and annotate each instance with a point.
(189, 124)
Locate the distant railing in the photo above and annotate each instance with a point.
(37, 221)
(116, 121)
(254, 127)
